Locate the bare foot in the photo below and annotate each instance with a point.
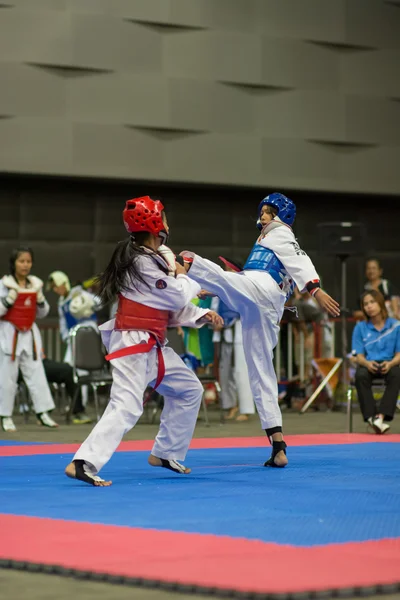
(242, 418)
(231, 414)
(171, 464)
(278, 457)
(76, 471)
(281, 460)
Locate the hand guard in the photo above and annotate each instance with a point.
(169, 258)
(40, 299)
(11, 297)
(188, 257)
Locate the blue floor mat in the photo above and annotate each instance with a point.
(328, 494)
(15, 443)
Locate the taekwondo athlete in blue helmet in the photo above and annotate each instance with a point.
(275, 265)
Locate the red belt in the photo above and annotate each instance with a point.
(142, 349)
(15, 344)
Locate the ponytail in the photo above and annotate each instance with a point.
(122, 271)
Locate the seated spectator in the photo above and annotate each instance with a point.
(62, 373)
(375, 281)
(376, 345)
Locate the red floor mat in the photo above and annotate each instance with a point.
(315, 439)
(202, 561)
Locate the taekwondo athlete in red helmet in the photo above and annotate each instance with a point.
(258, 293)
(153, 293)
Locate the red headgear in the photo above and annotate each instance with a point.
(144, 214)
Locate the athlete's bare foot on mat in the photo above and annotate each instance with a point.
(77, 469)
(171, 464)
(278, 457)
(281, 460)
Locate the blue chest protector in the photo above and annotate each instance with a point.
(71, 320)
(228, 315)
(264, 259)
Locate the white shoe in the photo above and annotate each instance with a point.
(45, 419)
(379, 425)
(7, 424)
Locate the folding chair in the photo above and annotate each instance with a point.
(60, 396)
(88, 355)
(204, 380)
(22, 399)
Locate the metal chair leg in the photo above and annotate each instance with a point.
(26, 408)
(222, 419)
(21, 402)
(63, 400)
(57, 396)
(70, 411)
(204, 404)
(350, 409)
(96, 401)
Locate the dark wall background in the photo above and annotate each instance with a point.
(73, 225)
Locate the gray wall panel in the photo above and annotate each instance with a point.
(298, 93)
(31, 92)
(39, 145)
(318, 20)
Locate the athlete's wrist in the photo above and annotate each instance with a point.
(313, 286)
(315, 291)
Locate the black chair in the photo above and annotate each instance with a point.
(88, 355)
(23, 400)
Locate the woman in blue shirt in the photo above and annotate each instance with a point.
(376, 343)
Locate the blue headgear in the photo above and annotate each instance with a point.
(286, 208)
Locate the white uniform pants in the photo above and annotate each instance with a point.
(34, 377)
(241, 374)
(260, 304)
(234, 379)
(182, 393)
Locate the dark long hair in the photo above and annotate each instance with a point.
(15, 254)
(122, 271)
(373, 259)
(377, 296)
